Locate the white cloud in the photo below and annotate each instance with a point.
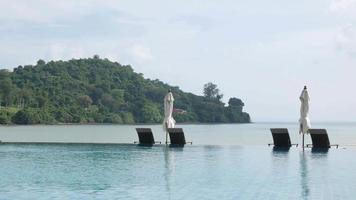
(194, 21)
(344, 11)
(140, 54)
(44, 11)
(346, 40)
(345, 8)
(65, 52)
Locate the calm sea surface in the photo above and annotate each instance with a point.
(224, 162)
(222, 134)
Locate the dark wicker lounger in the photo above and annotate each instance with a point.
(145, 137)
(320, 139)
(281, 138)
(177, 137)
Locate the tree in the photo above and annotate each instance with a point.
(41, 101)
(96, 90)
(236, 105)
(85, 100)
(108, 101)
(6, 90)
(118, 95)
(4, 73)
(113, 119)
(212, 92)
(96, 94)
(26, 116)
(235, 102)
(150, 113)
(5, 117)
(127, 118)
(41, 62)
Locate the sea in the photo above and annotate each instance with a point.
(224, 161)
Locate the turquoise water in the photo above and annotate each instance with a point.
(89, 171)
(245, 170)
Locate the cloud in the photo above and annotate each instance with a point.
(41, 10)
(346, 40)
(345, 8)
(140, 54)
(344, 11)
(97, 24)
(65, 52)
(342, 5)
(194, 21)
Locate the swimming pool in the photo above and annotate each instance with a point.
(127, 171)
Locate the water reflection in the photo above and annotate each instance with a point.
(280, 156)
(209, 148)
(169, 164)
(282, 150)
(322, 151)
(278, 171)
(304, 175)
(210, 152)
(144, 145)
(317, 154)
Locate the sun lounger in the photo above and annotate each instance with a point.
(177, 137)
(320, 139)
(281, 138)
(145, 136)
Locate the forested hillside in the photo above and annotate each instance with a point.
(97, 90)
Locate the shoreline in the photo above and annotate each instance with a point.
(196, 123)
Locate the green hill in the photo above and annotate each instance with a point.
(97, 90)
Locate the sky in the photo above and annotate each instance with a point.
(263, 52)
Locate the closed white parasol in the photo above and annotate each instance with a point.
(304, 121)
(168, 121)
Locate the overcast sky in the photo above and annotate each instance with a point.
(263, 52)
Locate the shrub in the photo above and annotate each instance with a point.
(5, 117)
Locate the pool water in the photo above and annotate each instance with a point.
(127, 171)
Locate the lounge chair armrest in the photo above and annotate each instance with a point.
(296, 145)
(269, 144)
(337, 146)
(190, 142)
(309, 145)
(156, 142)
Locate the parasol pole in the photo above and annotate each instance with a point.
(303, 141)
(166, 133)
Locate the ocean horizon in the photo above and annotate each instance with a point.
(257, 133)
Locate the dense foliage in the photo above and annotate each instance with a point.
(97, 90)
